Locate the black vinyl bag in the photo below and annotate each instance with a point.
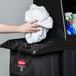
(46, 65)
(28, 64)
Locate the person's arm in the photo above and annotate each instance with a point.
(24, 28)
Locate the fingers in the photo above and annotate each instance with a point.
(34, 30)
(34, 21)
(35, 25)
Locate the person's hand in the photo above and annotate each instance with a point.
(29, 27)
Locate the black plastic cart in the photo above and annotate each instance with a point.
(48, 57)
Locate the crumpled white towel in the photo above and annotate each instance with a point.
(44, 20)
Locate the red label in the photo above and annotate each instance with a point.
(21, 62)
(70, 22)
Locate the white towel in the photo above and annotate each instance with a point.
(44, 20)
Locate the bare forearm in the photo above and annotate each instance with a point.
(24, 28)
(4, 28)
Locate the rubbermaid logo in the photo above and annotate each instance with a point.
(21, 62)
